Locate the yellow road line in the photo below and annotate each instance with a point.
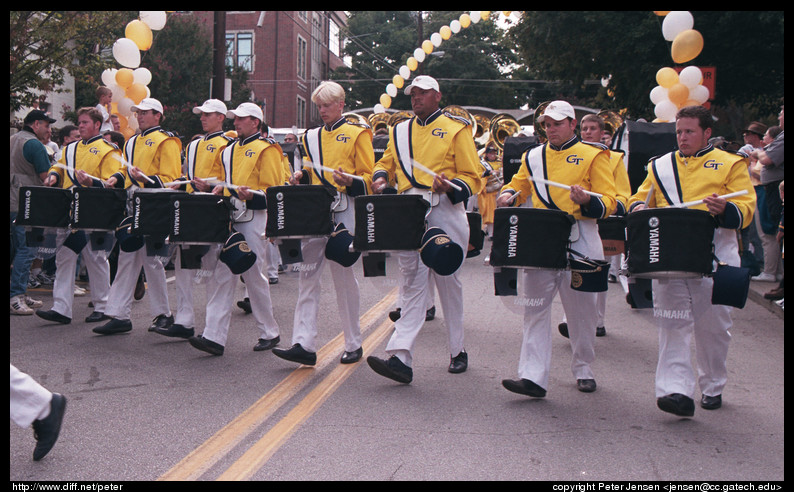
(258, 454)
(198, 461)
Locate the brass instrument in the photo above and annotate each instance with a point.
(379, 121)
(612, 120)
(502, 126)
(461, 112)
(398, 117)
(355, 119)
(540, 132)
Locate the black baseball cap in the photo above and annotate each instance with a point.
(37, 115)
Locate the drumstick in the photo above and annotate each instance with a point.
(434, 174)
(61, 166)
(563, 186)
(328, 169)
(130, 166)
(698, 202)
(234, 187)
(187, 181)
(513, 198)
(649, 195)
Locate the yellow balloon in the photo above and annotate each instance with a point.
(485, 14)
(465, 20)
(666, 77)
(689, 102)
(661, 13)
(123, 123)
(398, 81)
(687, 45)
(128, 133)
(427, 46)
(385, 100)
(678, 93)
(140, 34)
(124, 77)
(412, 64)
(136, 92)
(445, 32)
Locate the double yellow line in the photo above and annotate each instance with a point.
(201, 459)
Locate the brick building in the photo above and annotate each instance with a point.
(287, 54)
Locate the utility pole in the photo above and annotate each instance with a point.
(219, 55)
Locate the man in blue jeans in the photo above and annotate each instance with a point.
(29, 165)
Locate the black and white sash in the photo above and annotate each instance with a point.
(666, 173)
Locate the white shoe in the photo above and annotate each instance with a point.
(79, 291)
(764, 277)
(33, 303)
(19, 307)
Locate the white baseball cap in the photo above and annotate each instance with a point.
(558, 110)
(423, 82)
(247, 109)
(148, 103)
(211, 106)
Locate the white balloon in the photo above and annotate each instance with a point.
(419, 54)
(142, 76)
(118, 92)
(690, 77)
(666, 110)
(125, 106)
(391, 90)
(475, 16)
(676, 22)
(109, 76)
(455, 26)
(658, 94)
(126, 52)
(405, 72)
(699, 93)
(378, 108)
(435, 38)
(155, 19)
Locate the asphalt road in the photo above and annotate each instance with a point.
(145, 407)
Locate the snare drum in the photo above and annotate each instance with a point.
(389, 222)
(670, 243)
(98, 209)
(151, 211)
(299, 211)
(613, 235)
(200, 218)
(43, 206)
(531, 238)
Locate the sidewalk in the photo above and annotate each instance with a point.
(756, 294)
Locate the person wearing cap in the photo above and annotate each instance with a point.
(444, 144)
(697, 170)
(154, 157)
(347, 149)
(202, 161)
(762, 242)
(583, 166)
(249, 166)
(29, 165)
(89, 161)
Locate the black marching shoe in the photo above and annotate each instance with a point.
(114, 326)
(245, 305)
(96, 316)
(430, 314)
(459, 363)
(52, 315)
(601, 331)
(205, 345)
(563, 329)
(586, 385)
(524, 387)
(161, 321)
(175, 331)
(266, 344)
(393, 368)
(351, 357)
(395, 315)
(46, 430)
(710, 402)
(677, 404)
(296, 353)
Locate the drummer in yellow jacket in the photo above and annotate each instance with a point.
(154, 159)
(250, 165)
(696, 171)
(88, 162)
(337, 151)
(584, 167)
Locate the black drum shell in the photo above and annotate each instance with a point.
(299, 211)
(531, 238)
(389, 222)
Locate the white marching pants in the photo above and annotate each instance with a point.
(97, 266)
(29, 400)
(415, 277)
(304, 329)
(122, 289)
(221, 287)
(540, 287)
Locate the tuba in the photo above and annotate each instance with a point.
(502, 126)
(398, 117)
(612, 121)
(355, 119)
(461, 112)
(379, 121)
(539, 131)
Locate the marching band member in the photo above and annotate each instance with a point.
(154, 159)
(348, 148)
(444, 144)
(89, 161)
(583, 166)
(250, 165)
(202, 160)
(696, 170)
